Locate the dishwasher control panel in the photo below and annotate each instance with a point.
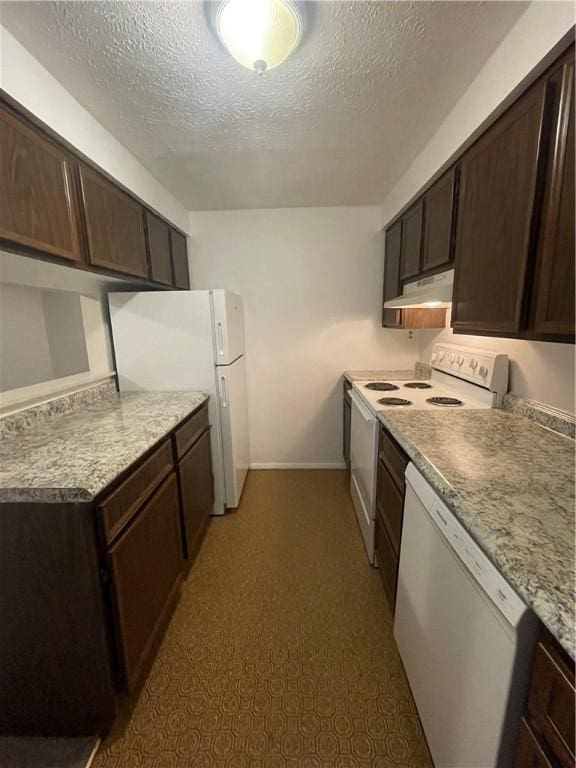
(482, 569)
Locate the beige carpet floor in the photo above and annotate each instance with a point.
(281, 651)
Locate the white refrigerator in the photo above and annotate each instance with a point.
(191, 340)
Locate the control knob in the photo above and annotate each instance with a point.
(441, 355)
(451, 357)
(473, 364)
(460, 361)
(483, 371)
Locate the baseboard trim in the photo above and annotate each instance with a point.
(298, 465)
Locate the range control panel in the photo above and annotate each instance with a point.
(481, 367)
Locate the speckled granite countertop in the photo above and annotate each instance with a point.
(510, 482)
(75, 456)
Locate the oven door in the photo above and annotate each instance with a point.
(363, 457)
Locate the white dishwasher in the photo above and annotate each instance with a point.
(465, 637)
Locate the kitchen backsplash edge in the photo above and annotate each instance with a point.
(15, 423)
(545, 415)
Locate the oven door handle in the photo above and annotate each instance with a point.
(364, 412)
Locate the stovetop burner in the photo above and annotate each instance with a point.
(418, 385)
(394, 401)
(381, 386)
(445, 401)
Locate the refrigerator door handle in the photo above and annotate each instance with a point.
(223, 393)
(220, 334)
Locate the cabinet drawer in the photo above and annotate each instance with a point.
(529, 754)
(196, 493)
(551, 704)
(387, 562)
(390, 505)
(393, 458)
(146, 569)
(190, 431)
(119, 508)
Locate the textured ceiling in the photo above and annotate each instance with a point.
(337, 124)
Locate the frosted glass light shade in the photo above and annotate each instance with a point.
(259, 34)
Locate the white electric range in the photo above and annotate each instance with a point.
(461, 378)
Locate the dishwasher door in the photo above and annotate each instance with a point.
(363, 457)
(467, 666)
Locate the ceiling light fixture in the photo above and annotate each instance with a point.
(259, 34)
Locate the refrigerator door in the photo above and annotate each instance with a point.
(228, 320)
(233, 408)
(163, 340)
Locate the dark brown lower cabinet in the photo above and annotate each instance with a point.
(387, 561)
(87, 589)
(146, 573)
(392, 463)
(196, 493)
(55, 673)
(547, 733)
(529, 753)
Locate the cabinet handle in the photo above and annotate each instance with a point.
(223, 395)
(220, 339)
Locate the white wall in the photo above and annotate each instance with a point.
(535, 33)
(311, 279)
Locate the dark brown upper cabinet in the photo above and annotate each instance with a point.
(391, 318)
(412, 223)
(553, 304)
(114, 226)
(158, 234)
(498, 190)
(438, 222)
(38, 207)
(180, 259)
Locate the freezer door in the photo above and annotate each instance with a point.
(228, 319)
(233, 404)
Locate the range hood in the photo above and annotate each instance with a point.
(429, 292)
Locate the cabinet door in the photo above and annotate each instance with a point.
(392, 318)
(551, 705)
(196, 493)
(437, 244)
(387, 561)
(158, 233)
(498, 184)
(180, 260)
(38, 206)
(114, 226)
(412, 241)
(145, 566)
(529, 753)
(554, 281)
(390, 503)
